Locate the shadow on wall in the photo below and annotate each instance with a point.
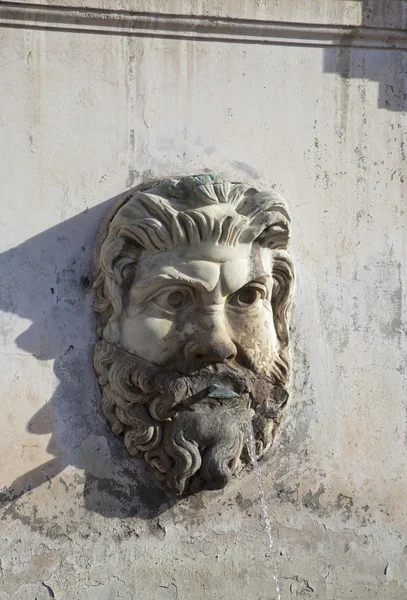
(388, 67)
(47, 279)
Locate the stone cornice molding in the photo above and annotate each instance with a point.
(197, 27)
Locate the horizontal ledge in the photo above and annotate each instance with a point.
(200, 28)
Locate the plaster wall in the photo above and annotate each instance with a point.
(85, 115)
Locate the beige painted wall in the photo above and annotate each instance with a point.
(87, 114)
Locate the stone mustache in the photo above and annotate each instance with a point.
(193, 289)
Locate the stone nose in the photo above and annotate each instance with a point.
(211, 343)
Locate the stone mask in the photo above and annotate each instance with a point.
(193, 289)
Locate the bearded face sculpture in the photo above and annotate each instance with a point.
(193, 289)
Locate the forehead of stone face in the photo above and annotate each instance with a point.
(163, 235)
(205, 266)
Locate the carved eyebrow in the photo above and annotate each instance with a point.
(262, 278)
(166, 277)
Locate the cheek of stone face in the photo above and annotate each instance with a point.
(256, 336)
(154, 339)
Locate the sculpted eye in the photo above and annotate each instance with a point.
(174, 299)
(248, 296)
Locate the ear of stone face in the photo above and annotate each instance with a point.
(193, 290)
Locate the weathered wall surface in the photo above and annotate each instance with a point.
(85, 114)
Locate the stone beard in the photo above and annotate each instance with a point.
(193, 290)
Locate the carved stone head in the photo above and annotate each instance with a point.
(193, 289)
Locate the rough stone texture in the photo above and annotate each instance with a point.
(382, 13)
(82, 117)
